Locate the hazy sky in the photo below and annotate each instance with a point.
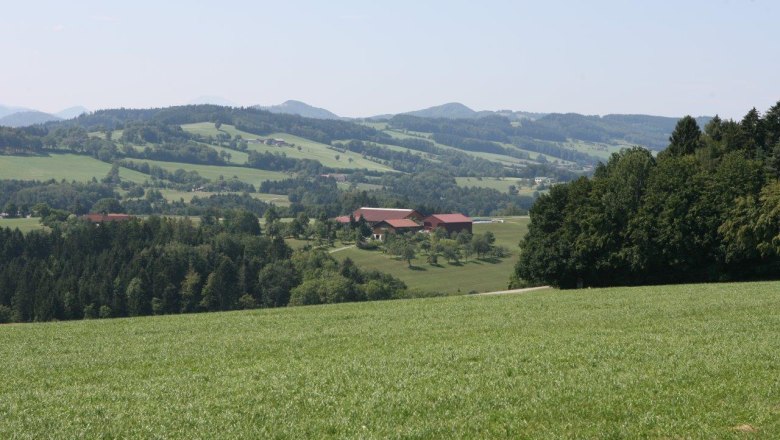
(360, 58)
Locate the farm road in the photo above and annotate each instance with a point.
(509, 292)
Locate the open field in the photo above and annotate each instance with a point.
(176, 195)
(498, 183)
(61, 166)
(689, 361)
(23, 224)
(213, 172)
(472, 275)
(309, 149)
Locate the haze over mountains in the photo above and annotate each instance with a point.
(561, 129)
(21, 117)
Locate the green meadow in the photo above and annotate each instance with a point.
(214, 172)
(686, 361)
(451, 278)
(23, 224)
(61, 166)
(173, 195)
(309, 149)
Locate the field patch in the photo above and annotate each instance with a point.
(308, 149)
(61, 166)
(464, 277)
(173, 195)
(215, 172)
(690, 361)
(23, 224)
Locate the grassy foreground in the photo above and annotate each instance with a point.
(691, 361)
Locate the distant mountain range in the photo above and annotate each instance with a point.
(22, 117)
(452, 110)
(300, 108)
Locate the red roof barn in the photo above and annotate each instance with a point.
(376, 215)
(450, 222)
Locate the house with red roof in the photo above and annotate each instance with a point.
(394, 226)
(450, 222)
(376, 215)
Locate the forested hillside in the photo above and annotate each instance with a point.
(706, 209)
(80, 270)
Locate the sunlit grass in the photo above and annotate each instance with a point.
(691, 361)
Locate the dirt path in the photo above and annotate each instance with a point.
(341, 249)
(509, 292)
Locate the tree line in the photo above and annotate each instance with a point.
(705, 209)
(80, 270)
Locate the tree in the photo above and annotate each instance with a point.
(752, 128)
(11, 209)
(190, 291)
(107, 205)
(136, 297)
(242, 222)
(685, 138)
(408, 253)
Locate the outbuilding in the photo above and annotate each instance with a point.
(450, 222)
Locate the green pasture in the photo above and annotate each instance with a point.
(61, 166)
(23, 224)
(688, 361)
(467, 276)
(309, 149)
(213, 172)
(176, 195)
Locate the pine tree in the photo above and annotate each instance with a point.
(685, 138)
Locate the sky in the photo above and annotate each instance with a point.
(362, 58)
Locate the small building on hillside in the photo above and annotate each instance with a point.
(335, 176)
(376, 215)
(106, 218)
(450, 222)
(394, 226)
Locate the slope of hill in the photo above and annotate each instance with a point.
(299, 108)
(7, 110)
(71, 112)
(25, 118)
(690, 361)
(451, 110)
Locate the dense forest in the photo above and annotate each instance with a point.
(705, 209)
(162, 266)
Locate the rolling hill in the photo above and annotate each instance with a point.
(299, 108)
(26, 118)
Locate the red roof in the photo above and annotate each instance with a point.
(342, 219)
(374, 215)
(402, 223)
(452, 218)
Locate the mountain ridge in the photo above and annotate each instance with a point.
(300, 108)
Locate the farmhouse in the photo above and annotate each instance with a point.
(450, 222)
(106, 218)
(376, 215)
(394, 226)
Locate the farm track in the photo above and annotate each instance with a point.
(510, 292)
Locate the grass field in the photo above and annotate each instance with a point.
(690, 361)
(23, 224)
(471, 275)
(176, 195)
(61, 166)
(213, 172)
(309, 149)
